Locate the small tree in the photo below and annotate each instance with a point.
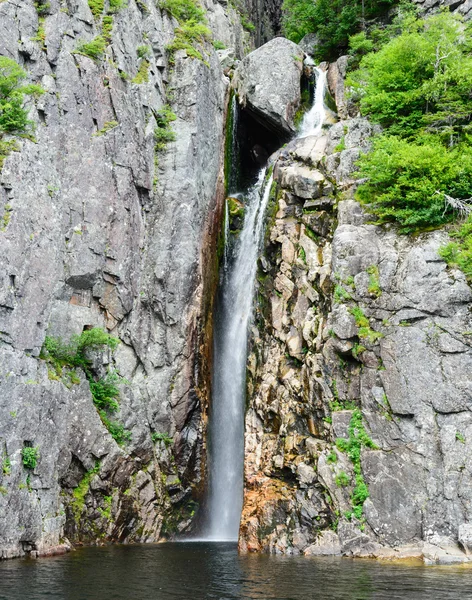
(13, 116)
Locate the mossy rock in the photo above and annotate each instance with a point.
(236, 210)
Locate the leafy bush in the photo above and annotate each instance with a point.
(143, 51)
(420, 80)
(30, 457)
(96, 6)
(6, 466)
(192, 29)
(116, 5)
(107, 27)
(13, 117)
(342, 479)
(162, 437)
(458, 252)
(142, 76)
(417, 86)
(163, 132)
(105, 392)
(7, 146)
(117, 431)
(358, 439)
(93, 49)
(186, 36)
(184, 10)
(407, 181)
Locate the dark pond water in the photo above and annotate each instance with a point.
(215, 571)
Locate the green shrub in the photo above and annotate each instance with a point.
(358, 439)
(42, 7)
(184, 10)
(13, 117)
(96, 6)
(192, 27)
(142, 76)
(6, 147)
(342, 479)
(420, 80)
(81, 491)
(332, 457)
(93, 49)
(163, 133)
(117, 431)
(6, 466)
(359, 316)
(143, 51)
(374, 281)
(458, 252)
(107, 27)
(107, 126)
(417, 86)
(186, 36)
(95, 339)
(162, 437)
(407, 181)
(359, 46)
(105, 392)
(340, 294)
(116, 5)
(30, 457)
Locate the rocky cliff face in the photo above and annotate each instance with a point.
(358, 425)
(103, 229)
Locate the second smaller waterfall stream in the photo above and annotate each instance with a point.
(314, 118)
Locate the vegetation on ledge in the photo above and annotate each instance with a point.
(418, 175)
(13, 116)
(64, 357)
(192, 30)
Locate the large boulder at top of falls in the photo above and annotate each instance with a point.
(267, 83)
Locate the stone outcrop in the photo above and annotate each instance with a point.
(266, 16)
(360, 418)
(462, 7)
(103, 230)
(267, 83)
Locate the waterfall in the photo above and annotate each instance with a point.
(229, 371)
(232, 320)
(226, 238)
(314, 118)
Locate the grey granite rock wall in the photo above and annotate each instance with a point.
(359, 374)
(103, 231)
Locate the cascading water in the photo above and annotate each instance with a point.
(314, 118)
(226, 431)
(229, 374)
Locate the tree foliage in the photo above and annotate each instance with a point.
(13, 116)
(332, 20)
(417, 86)
(420, 81)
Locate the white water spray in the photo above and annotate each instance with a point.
(226, 432)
